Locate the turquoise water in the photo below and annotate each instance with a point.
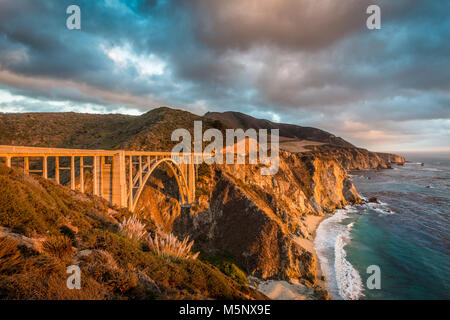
(407, 235)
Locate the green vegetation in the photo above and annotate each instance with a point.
(227, 265)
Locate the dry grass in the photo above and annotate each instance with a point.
(132, 228)
(58, 246)
(169, 245)
(10, 256)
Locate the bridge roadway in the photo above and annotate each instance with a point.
(118, 176)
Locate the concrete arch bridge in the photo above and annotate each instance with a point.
(118, 176)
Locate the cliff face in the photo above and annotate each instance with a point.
(391, 158)
(259, 220)
(357, 158)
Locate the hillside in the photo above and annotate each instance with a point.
(44, 228)
(240, 120)
(150, 131)
(295, 138)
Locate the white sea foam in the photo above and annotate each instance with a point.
(343, 280)
(348, 279)
(376, 207)
(432, 169)
(382, 211)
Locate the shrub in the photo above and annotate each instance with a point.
(132, 228)
(169, 245)
(201, 192)
(204, 170)
(227, 265)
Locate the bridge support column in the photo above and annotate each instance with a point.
(26, 165)
(82, 174)
(119, 185)
(140, 170)
(72, 172)
(8, 162)
(57, 169)
(130, 182)
(105, 185)
(95, 174)
(44, 167)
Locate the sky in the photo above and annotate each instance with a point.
(310, 63)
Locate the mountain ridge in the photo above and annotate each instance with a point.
(241, 120)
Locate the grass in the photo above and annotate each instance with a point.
(10, 256)
(59, 246)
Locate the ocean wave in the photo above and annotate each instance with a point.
(376, 207)
(348, 279)
(432, 169)
(343, 280)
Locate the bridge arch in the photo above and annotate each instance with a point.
(147, 171)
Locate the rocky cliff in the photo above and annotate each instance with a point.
(357, 158)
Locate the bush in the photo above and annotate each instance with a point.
(201, 192)
(226, 264)
(204, 170)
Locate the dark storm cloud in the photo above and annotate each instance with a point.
(301, 61)
(296, 24)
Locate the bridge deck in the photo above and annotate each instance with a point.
(20, 151)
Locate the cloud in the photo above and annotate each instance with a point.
(294, 25)
(305, 62)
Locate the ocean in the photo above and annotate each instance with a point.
(406, 235)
